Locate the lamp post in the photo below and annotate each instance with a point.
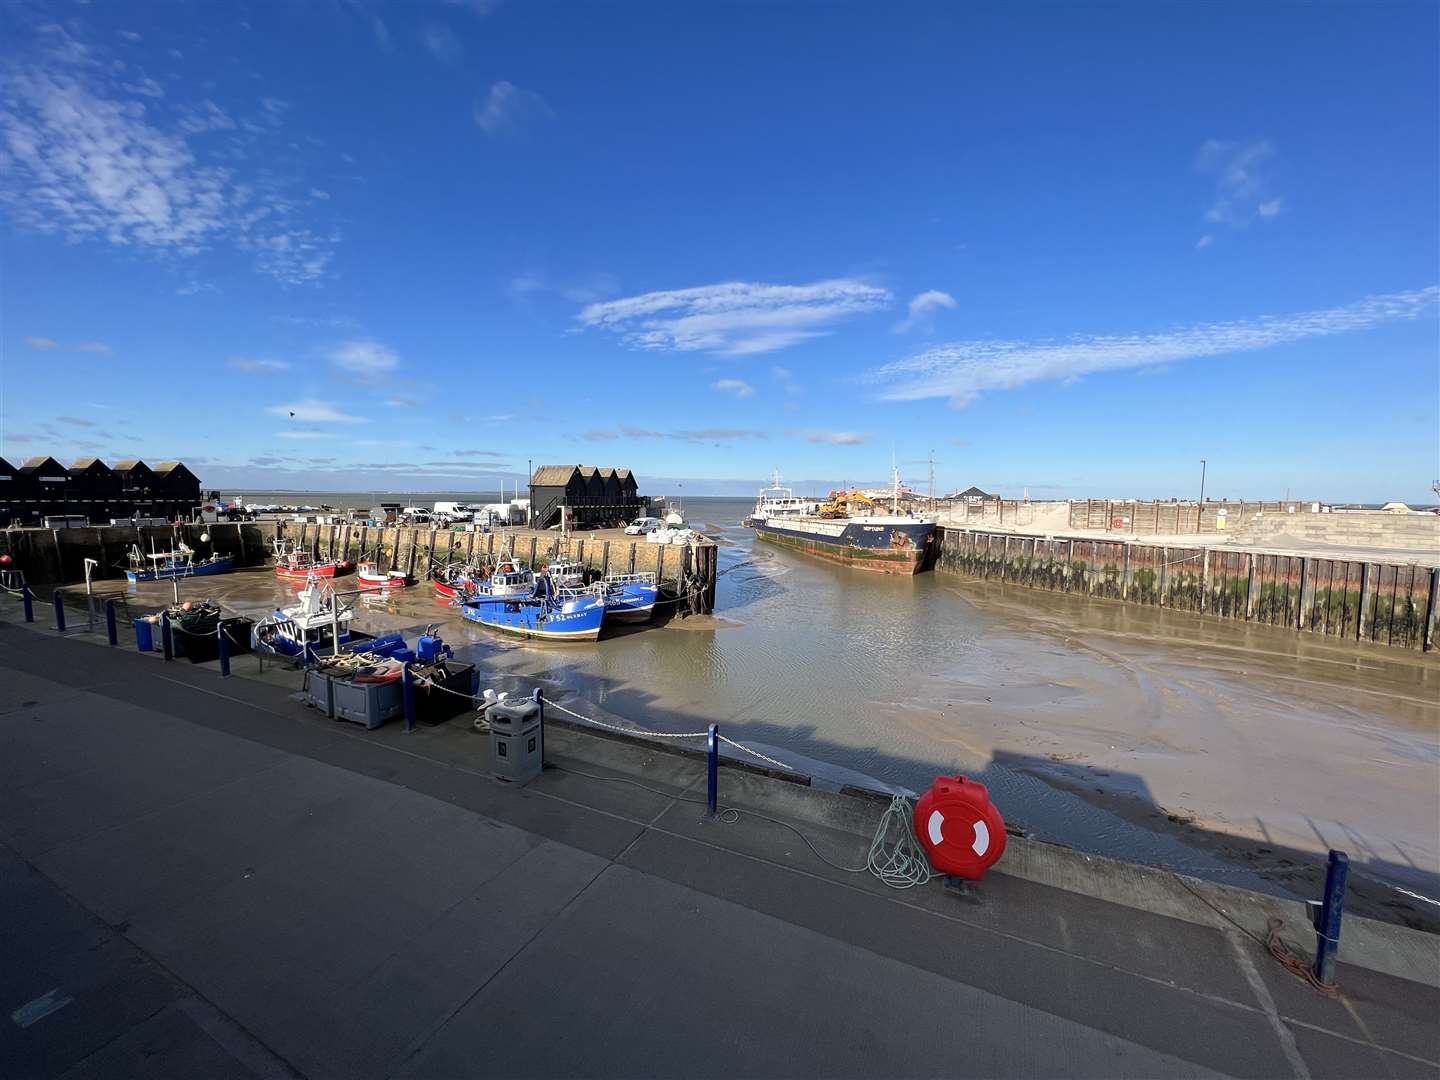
(1202, 480)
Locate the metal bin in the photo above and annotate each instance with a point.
(516, 741)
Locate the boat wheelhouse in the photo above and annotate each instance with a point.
(777, 501)
(316, 622)
(294, 563)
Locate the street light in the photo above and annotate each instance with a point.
(1202, 480)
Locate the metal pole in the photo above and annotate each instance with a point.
(28, 599)
(110, 631)
(1327, 917)
(539, 699)
(224, 642)
(60, 610)
(167, 641)
(712, 749)
(1202, 481)
(90, 565)
(407, 690)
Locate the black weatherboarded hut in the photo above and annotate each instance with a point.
(588, 496)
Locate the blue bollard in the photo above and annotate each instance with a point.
(1327, 917)
(59, 610)
(110, 631)
(407, 692)
(223, 640)
(539, 699)
(712, 748)
(29, 600)
(167, 640)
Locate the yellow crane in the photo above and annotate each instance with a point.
(840, 503)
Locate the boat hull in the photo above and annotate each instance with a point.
(381, 582)
(448, 591)
(326, 569)
(884, 548)
(631, 603)
(202, 569)
(574, 620)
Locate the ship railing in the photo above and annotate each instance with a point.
(643, 577)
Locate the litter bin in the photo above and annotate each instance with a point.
(516, 741)
(144, 635)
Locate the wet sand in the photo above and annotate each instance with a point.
(1238, 753)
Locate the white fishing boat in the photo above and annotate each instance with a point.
(317, 622)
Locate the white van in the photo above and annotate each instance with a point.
(642, 525)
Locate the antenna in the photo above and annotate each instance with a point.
(932, 480)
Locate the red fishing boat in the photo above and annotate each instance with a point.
(293, 563)
(368, 575)
(454, 582)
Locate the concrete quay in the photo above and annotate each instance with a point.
(205, 878)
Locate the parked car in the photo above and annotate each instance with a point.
(642, 525)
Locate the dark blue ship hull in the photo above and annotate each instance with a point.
(887, 547)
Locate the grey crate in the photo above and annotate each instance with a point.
(370, 704)
(317, 691)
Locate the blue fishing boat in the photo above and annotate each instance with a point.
(180, 563)
(547, 614)
(628, 597)
(316, 622)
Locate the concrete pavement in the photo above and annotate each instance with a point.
(205, 878)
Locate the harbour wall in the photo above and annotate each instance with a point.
(1391, 604)
(56, 556)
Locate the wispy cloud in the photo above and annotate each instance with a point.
(701, 435)
(75, 421)
(962, 370)
(89, 156)
(441, 41)
(92, 346)
(832, 438)
(734, 318)
(739, 387)
(1242, 183)
(597, 435)
(508, 108)
(40, 343)
(1204, 242)
(922, 307)
(304, 434)
(364, 357)
(314, 411)
(400, 401)
(478, 453)
(245, 363)
(786, 378)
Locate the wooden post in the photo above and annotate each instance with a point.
(1366, 587)
(1205, 580)
(470, 548)
(1164, 572)
(1125, 573)
(1302, 608)
(632, 559)
(534, 541)
(1250, 585)
(239, 544)
(605, 558)
(660, 565)
(1427, 639)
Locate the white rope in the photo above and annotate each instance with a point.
(900, 863)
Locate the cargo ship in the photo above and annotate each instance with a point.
(849, 528)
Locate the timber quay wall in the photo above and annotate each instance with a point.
(56, 556)
(1390, 604)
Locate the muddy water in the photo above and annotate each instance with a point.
(1231, 752)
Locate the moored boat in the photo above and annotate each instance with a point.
(545, 614)
(180, 563)
(628, 597)
(850, 528)
(454, 582)
(294, 563)
(316, 621)
(368, 575)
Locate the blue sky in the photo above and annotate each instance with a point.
(1070, 249)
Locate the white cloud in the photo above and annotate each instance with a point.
(314, 411)
(922, 306)
(92, 346)
(962, 370)
(832, 438)
(442, 41)
(365, 357)
(304, 434)
(40, 343)
(400, 401)
(735, 318)
(739, 387)
(243, 363)
(1204, 242)
(786, 378)
(86, 156)
(1241, 180)
(509, 108)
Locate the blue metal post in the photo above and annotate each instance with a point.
(407, 690)
(712, 746)
(29, 600)
(110, 631)
(1327, 918)
(223, 640)
(60, 610)
(539, 699)
(167, 641)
